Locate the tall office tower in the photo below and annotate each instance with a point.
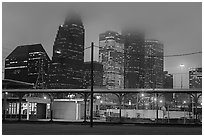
(28, 63)
(168, 84)
(97, 75)
(134, 51)
(111, 50)
(68, 55)
(154, 61)
(195, 78)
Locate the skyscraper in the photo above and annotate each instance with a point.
(111, 50)
(134, 52)
(168, 84)
(27, 63)
(154, 64)
(168, 80)
(68, 55)
(195, 78)
(97, 74)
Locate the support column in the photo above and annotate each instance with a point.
(137, 105)
(168, 114)
(28, 110)
(120, 105)
(51, 108)
(85, 100)
(77, 110)
(192, 105)
(20, 101)
(196, 107)
(4, 107)
(157, 111)
(120, 97)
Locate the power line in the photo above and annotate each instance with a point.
(179, 73)
(175, 55)
(183, 54)
(90, 47)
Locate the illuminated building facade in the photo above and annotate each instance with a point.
(154, 61)
(25, 63)
(68, 55)
(111, 50)
(134, 51)
(195, 78)
(97, 74)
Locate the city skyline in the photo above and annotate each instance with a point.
(22, 24)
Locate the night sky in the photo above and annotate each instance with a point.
(177, 25)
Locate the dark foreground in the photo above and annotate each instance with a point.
(73, 129)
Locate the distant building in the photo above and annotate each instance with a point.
(111, 56)
(97, 74)
(134, 57)
(27, 63)
(68, 55)
(168, 84)
(195, 78)
(154, 64)
(168, 80)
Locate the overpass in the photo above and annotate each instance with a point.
(131, 90)
(120, 93)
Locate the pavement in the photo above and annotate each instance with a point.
(45, 128)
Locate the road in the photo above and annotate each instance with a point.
(73, 129)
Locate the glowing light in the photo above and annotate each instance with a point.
(98, 97)
(58, 51)
(184, 102)
(160, 101)
(129, 103)
(142, 95)
(6, 93)
(45, 97)
(182, 65)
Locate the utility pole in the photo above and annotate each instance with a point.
(124, 60)
(91, 115)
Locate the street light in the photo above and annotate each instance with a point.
(184, 115)
(160, 101)
(182, 65)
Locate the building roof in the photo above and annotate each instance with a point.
(24, 50)
(13, 84)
